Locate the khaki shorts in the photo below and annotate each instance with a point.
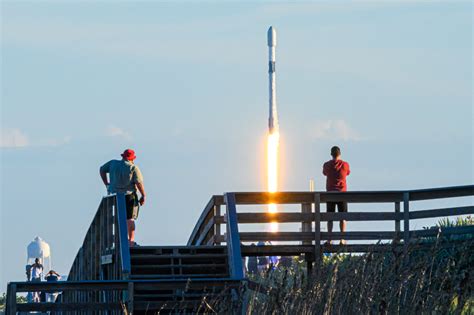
(133, 206)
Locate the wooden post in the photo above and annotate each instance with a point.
(406, 221)
(217, 230)
(233, 238)
(131, 292)
(306, 227)
(317, 229)
(11, 299)
(397, 222)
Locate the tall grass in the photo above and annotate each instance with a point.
(434, 280)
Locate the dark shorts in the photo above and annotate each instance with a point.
(341, 206)
(132, 204)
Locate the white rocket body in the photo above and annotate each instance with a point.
(273, 115)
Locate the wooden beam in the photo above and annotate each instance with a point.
(288, 217)
(317, 229)
(217, 227)
(458, 230)
(131, 294)
(262, 198)
(122, 231)
(296, 250)
(11, 306)
(293, 197)
(443, 212)
(360, 216)
(444, 192)
(362, 196)
(205, 231)
(397, 220)
(281, 250)
(309, 236)
(70, 286)
(81, 306)
(406, 221)
(306, 224)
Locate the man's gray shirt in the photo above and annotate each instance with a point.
(123, 176)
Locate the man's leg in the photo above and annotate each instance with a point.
(342, 207)
(131, 231)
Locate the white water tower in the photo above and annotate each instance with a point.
(39, 249)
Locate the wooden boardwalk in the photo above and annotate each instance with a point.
(107, 277)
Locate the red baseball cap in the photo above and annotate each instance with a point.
(129, 155)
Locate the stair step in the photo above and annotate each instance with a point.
(190, 266)
(176, 250)
(186, 259)
(181, 276)
(148, 297)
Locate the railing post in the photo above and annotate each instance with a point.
(406, 221)
(397, 221)
(122, 231)
(317, 229)
(306, 227)
(11, 299)
(217, 229)
(233, 238)
(131, 292)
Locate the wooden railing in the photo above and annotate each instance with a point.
(310, 241)
(86, 288)
(104, 254)
(122, 288)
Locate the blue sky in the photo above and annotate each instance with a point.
(185, 85)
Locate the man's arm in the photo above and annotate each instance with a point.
(141, 189)
(103, 175)
(138, 180)
(104, 169)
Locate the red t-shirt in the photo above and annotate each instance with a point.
(336, 172)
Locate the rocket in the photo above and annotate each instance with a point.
(273, 115)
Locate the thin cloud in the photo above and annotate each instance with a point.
(16, 138)
(337, 129)
(55, 142)
(114, 131)
(13, 138)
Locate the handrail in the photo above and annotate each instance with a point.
(106, 238)
(93, 286)
(105, 253)
(201, 222)
(400, 198)
(123, 236)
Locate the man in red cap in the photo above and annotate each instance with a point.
(125, 177)
(336, 171)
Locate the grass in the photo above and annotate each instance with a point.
(437, 280)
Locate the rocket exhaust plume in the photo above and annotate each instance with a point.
(273, 127)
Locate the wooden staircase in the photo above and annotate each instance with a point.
(188, 274)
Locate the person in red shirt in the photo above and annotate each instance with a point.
(336, 171)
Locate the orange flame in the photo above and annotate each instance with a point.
(272, 172)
